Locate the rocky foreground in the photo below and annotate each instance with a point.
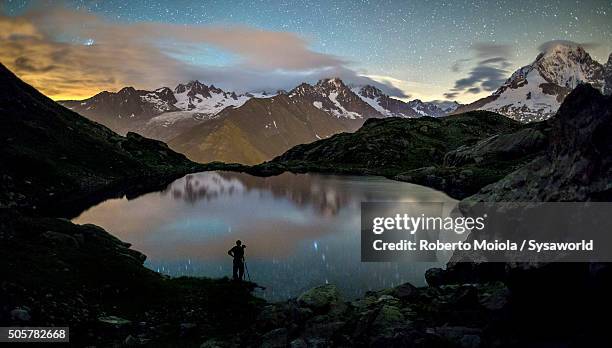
(405, 316)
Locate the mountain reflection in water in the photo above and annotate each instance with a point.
(301, 230)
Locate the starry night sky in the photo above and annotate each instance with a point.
(424, 49)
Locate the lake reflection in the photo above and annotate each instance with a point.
(301, 230)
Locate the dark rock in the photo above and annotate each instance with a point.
(465, 296)
(323, 328)
(435, 276)
(20, 314)
(608, 76)
(470, 341)
(320, 298)
(276, 338)
(387, 318)
(131, 341)
(187, 328)
(212, 343)
(494, 296)
(500, 147)
(298, 343)
(61, 238)
(114, 321)
(579, 156)
(457, 334)
(272, 316)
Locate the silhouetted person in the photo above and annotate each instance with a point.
(237, 252)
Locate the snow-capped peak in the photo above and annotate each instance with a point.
(392, 107)
(447, 106)
(426, 108)
(369, 91)
(334, 97)
(568, 65)
(334, 81)
(535, 91)
(199, 98)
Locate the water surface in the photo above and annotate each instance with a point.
(301, 230)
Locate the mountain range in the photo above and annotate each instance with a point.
(140, 110)
(209, 124)
(535, 91)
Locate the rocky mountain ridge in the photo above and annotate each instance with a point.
(535, 92)
(148, 112)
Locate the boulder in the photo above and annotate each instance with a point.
(405, 291)
(388, 317)
(320, 298)
(20, 314)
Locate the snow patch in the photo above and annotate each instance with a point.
(372, 102)
(341, 111)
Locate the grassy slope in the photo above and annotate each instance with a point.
(258, 130)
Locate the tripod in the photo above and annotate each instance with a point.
(247, 270)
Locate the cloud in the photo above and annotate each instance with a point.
(426, 91)
(484, 75)
(26, 64)
(487, 74)
(501, 61)
(457, 65)
(490, 49)
(548, 45)
(75, 54)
